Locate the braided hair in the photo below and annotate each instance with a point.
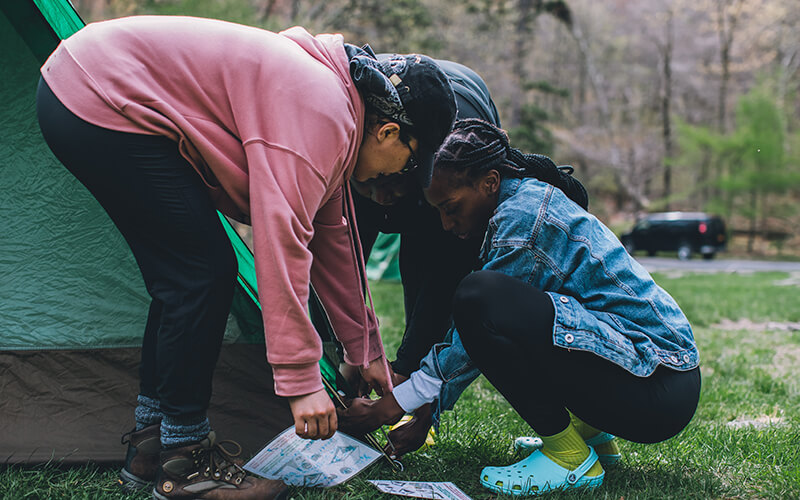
(475, 147)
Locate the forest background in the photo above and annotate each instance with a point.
(659, 104)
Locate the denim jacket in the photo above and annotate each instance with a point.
(605, 302)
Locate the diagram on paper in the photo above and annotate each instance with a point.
(419, 489)
(306, 462)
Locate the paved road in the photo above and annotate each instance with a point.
(716, 265)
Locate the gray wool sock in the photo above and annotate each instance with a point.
(148, 412)
(183, 430)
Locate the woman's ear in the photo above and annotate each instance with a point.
(386, 130)
(491, 182)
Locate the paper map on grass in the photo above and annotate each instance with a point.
(417, 489)
(305, 462)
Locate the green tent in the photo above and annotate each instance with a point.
(384, 260)
(72, 301)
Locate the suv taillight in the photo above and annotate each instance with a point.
(702, 228)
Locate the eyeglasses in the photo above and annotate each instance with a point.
(412, 162)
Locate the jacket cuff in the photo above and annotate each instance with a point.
(354, 353)
(296, 380)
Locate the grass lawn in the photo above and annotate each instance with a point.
(744, 441)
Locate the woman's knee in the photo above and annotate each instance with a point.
(495, 303)
(213, 268)
(474, 295)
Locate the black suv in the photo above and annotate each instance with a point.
(684, 232)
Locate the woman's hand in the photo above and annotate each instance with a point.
(314, 415)
(412, 435)
(376, 376)
(353, 376)
(364, 415)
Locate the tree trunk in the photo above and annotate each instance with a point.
(522, 39)
(265, 10)
(666, 104)
(295, 10)
(751, 236)
(726, 28)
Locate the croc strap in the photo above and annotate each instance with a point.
(575, 475)
(600, 438)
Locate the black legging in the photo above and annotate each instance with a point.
(506, 327)
(162, 208)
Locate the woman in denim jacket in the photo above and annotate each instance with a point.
(571, 330)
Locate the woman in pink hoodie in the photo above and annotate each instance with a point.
(168, 119)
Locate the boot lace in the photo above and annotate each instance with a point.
(219, 463)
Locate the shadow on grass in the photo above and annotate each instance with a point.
(658, 480)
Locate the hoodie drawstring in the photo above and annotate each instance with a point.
(358, 259)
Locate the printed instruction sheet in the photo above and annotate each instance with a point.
(305, 462)
(418, 489)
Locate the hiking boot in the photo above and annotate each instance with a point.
(208, 471)
(141, 462)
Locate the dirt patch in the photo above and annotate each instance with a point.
(776, 336)
(757, 422)
(786, 360)
(792, 280)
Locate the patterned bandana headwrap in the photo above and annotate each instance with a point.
(378, 91)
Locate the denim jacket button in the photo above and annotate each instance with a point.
(568, 338)
(563, 299)
(674, 359)
(686, 358)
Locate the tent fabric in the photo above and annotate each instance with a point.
(72, 406)
(69, 279)
(72, 300)
(61, 17)
(383, 263)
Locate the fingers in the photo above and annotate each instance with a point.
(314, 415)
(333, 424)
(312, 429)
(398, 446)
(319, 427)
(411, 436)
(376, 376)
(364, 388)
(300, 427)
(360, 417)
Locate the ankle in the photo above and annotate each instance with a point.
(585, 430)
(568, 450)
(148, 412)
(608, 448)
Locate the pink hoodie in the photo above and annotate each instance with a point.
(273, 123)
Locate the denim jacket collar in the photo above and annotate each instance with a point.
(508, 187)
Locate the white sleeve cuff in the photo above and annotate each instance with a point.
(418, 390)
